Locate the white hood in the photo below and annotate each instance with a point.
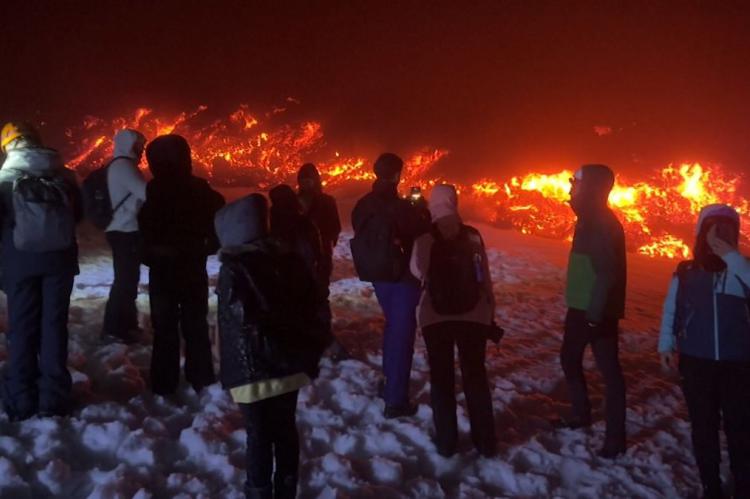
(129, 143)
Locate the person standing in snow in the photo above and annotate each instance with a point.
(595, 296)
(127, 189)
(176, 222)
(385, 227)
(271, 336)
(39, 260)
(456, 309)
(322, 210)
(707, 320)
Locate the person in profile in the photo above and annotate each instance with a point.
(457, 309)
(595, 296)
(176, 223)
(385, 227)
(706, 323)
(271, 336)
(40, 205)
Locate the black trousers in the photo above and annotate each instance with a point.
(36, 373)
(272, 438)
(179, 304)
(717, 391)
(441, 339)
(604, 344)
(121, 313)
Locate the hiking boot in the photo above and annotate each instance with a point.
(571, 423)
(398, 411)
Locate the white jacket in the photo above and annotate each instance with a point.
(123, 178)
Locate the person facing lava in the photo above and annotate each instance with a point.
(40, 204)
(322, 210)
(595, 296)
(385, 227)
(456, 309)
(706, 320)
(271, 336)
(176, 223)
(127, 189)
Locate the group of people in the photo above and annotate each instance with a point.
(428, 268)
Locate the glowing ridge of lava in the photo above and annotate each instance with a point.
(248, 149)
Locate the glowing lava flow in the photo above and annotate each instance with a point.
(260, 150)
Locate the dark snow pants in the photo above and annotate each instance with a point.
(272, 438)
(178, 293)
(37, 377)
(604, 344)
(121, 313)
(399, 303)
(441, 340)
(717, 391)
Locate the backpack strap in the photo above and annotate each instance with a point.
(122, 201)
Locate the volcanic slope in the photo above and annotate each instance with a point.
(124, 442)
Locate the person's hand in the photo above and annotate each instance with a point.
(668, 360)
(719, 246)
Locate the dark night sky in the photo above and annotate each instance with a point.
(514, 85)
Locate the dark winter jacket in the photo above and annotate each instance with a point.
(707, 313)
(37, 161)
(269, 326)
(410, 221)
(597, 273)
(322, 210)
(176, 220)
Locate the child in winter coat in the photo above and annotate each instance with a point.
(271, 338)
(456, 308)
(707, 321)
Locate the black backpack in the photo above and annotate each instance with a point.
(455, 276)
(378, 256)
(97, 203)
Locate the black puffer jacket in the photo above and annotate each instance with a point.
(269, 324)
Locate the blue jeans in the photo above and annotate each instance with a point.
(399, 302)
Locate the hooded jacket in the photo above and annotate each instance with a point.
(321, 208)
(40, 162)
(443, 207)
(707, 314)
(597, 271)
(268, 321)
(176, 220)
(125, 178)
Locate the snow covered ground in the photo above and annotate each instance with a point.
(123, 442)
